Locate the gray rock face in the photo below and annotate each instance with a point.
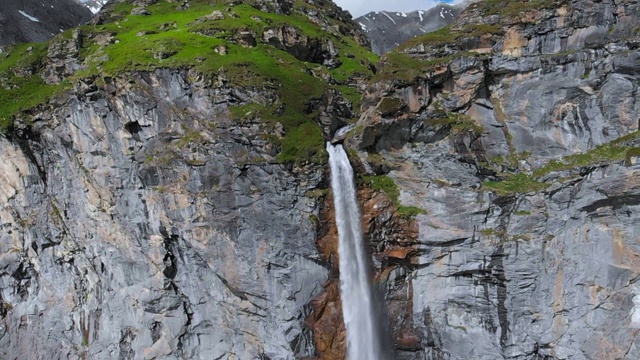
(303, 48)
(388, 29)
(140, 222)
(534, 273)
(35, 21)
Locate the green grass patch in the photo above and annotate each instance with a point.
(477, 30)
(448, 35)
(618, 150)
(512, 159)
(303, 143)
(603, 154)
(401, 67)
(459, 123)
(408, 212)
(514, 184)
(443, 36)
(387, 185)
(172, 39)
(491, 232)
(509, 8)
(21, 87)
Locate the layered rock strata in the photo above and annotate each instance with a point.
(517, 134)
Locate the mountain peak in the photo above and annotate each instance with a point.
(388, 29)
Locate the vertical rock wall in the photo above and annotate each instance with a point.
(519, 145)
(139, 221)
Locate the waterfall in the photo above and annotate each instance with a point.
(363, 341)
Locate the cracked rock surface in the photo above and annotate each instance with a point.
(546, 269)
(136, 225)
(498, 177)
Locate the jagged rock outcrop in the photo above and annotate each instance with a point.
(35, 21)
(388, 29)
(303, 48)
(516, 132)
(62, 58)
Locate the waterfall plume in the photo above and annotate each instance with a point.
(363, 340)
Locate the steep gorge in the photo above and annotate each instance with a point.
(171, 201)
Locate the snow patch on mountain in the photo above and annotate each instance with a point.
(384, 36)
(34, 19)
(94, 5)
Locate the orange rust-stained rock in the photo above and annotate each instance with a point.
(401, 253)
(407, 339)
(327, 323)
(326, 319)
(327, 242)
(391, 241)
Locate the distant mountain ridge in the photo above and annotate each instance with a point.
(33, 20)
(387, 29)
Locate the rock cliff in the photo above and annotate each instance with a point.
(162, 177)
(164, 193)
(516, 131)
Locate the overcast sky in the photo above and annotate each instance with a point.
(361, 7)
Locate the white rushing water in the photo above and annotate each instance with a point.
(357, 305)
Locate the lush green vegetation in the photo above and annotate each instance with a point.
(516, 183)
(445, 35)
(21, 86)
(385, 184)
(607, 153)
(188, 39)
(398, 66)
(408, 212)
(390, 188)
(449, 35)
(476, 30)
(621, 149)
(510, 8)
